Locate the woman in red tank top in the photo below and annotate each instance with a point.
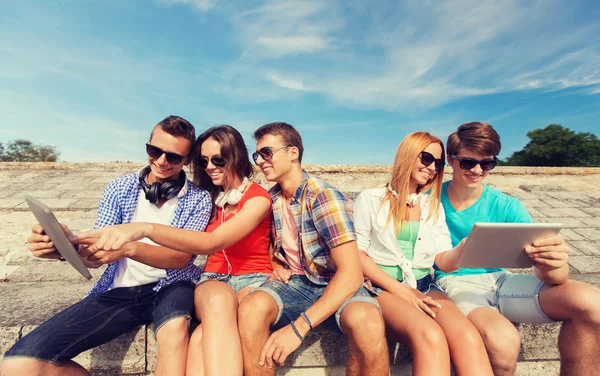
(236, 238)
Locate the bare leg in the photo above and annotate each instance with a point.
(467, 350)
(501, 338)
(363, 324)
(27, 366)
(216, 306)
(172, 344)
(195, 362)
(577, 304)
(257, 312)
(425, 338)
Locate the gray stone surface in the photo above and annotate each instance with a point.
(34, 290)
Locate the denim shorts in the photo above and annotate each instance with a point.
(515, 296)
(237, 282)
(100, 318)
(425, 285)
(299, 294)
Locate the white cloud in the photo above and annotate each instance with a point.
(202, 5)
(286, 82)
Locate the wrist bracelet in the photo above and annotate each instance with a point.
(305, 317)
(296, 331)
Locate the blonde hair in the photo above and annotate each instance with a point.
(408, 151)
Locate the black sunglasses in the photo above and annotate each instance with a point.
(267, 152)
(470, 163)
(156, 152)
(427, 159)
(217, 161)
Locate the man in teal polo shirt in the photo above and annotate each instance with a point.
(492, 298)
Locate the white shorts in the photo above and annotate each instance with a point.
(515, 296)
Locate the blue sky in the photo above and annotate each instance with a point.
(92, 77)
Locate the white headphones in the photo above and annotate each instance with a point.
(412, 200)
(233, 196)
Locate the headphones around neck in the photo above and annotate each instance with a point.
(412, 200)
(157, 191)
(233, 196)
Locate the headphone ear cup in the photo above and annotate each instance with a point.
(221, 199)
(153, 193)
(234, 197)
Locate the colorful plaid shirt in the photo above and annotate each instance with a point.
(323, 217)
(118, 205)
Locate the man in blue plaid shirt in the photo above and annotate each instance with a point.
(317, 277)
(143, 283)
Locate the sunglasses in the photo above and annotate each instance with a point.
(470, 163)
(427, 159)
(217, 161)
(267, 152)
(156, 152)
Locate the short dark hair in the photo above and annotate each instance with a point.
(233, 150)
(289, 134)
(178, 127)
(475, 136)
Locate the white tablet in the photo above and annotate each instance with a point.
(52, 228)
(502, 245)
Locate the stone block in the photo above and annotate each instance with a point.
(568, 234)
(585, 264)
(37, 193)
(592, 222)
(593, 211)
(94, 192)
(534, 204)
(588, 248)
(9, 335)
(87, 203)
(541, 188)
(567, 222)
(11, 203)
(589, 233)
(51, 271)
(31, 303)
(535, 214)
(539, 341)
(564, 212)
(521, 195)
(52, 203)
(125, 355)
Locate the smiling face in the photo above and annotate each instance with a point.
(468, 178)
(280, 163)
(161, 170)
(421, 174)
(219, 175)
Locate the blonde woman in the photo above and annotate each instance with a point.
(401, 232)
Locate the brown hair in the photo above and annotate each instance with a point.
(408, 151)
(233, 150)
(475, 136)
(178, 127)
(288, 133)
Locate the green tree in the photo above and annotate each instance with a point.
(556, 145)
(27, 151)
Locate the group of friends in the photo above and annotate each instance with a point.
(285, 261)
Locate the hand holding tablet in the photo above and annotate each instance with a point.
(57, 235)
(502, 245)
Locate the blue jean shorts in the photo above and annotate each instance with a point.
(425, 285)
(100, 318)
(299, 294)
(237, 282)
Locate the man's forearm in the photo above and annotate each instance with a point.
(157, 256)
(554, 276)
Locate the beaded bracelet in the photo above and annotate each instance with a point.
(305, 317)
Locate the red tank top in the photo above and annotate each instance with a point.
(251, 254)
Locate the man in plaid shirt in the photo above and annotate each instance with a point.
(143, 283)
(317, 275)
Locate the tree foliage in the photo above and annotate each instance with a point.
(27, 151)
(556, 145)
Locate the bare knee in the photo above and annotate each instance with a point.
(503, 344)
(585, 303)
(256, 311)
(215, 299)
(173, 334)
(362, 319)
(23, 366)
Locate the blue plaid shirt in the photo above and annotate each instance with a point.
(323, 217)
(118, 205)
